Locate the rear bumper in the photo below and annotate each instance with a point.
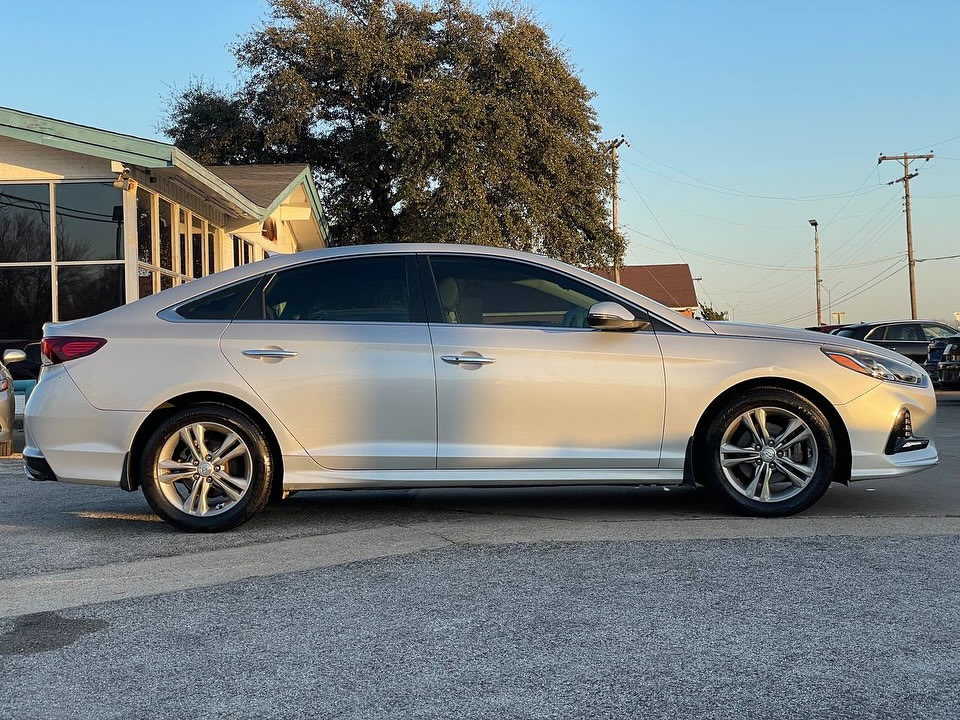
(69, 440)
(949, 372)
(36, 467)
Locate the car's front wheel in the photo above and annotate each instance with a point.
(769, 453)
(207, 468)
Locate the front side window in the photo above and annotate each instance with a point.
(492, 291)
(932, 332)
(904, 332)
(370, 289)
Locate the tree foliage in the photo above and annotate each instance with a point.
(428, 122)
(708, 312)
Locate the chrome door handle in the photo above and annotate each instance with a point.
(467, 359)
(270, 353)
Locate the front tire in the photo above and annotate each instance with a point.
(207, 468)
(770, 453)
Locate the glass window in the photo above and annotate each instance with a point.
(166, 281)
(220, 305)
(357, 290)
(166, 234)
(933, 332)
(26, 301)
(211, 253)
(489, 291)
(145, 281)
(903, 332)
(89, 221)
(144, 226)
(24, 223)
(197, 240)
(877, 333)
(86, 290)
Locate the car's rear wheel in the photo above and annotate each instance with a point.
(207, 468)
(769, 453)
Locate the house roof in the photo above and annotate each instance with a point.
(670, 285)
(260, 183)
(245, 190)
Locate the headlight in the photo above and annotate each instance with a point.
(876, 366)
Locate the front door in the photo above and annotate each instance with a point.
(524, 383)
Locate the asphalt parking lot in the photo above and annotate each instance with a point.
(546, 603)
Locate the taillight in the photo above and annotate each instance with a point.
(55, 350)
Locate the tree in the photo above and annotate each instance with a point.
(424, 122)
(709, 313)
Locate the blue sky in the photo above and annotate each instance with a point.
(746, 119)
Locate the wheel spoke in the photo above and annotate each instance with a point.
(805, 434)
(731, 455)
(232, 486)
(192, 501)
(798, 474)
(231, 448)
(765, 488)
(751, 489)
(747, 420)
(191, 440)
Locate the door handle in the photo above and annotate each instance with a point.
(270, 353)
(467, 359)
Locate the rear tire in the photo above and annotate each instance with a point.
(769, 453)
(207, 468)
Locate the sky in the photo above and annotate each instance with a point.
(745, 119)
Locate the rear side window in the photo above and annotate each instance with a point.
(220, 305)
(369, 289)
(904, 332)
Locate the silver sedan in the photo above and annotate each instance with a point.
(441, 365)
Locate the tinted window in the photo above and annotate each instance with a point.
(904, 332)
(24, 223)
(26, 302)
(489, 291)
(370, 289)
(220, 305)
(937, 331)
(876, 333)
(85, 290)
(89, 221)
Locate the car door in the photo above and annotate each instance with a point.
(905, 338)
(524, 383)
(340, 351)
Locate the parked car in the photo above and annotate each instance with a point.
(826, 328)
(907, 337)
(7, 400)
(412, 366)
(948, 368)
(934, 355)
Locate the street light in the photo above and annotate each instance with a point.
(816, 250)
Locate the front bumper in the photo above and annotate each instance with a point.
(873, 417)
(949, 372)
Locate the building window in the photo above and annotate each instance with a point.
(27, 302)
(89, 221)
(25, 223)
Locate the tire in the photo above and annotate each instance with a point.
(207, 468)
(769, 453)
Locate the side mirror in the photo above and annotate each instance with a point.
(13, 356)
(611, 316)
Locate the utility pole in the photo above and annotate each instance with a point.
(611, 147)
(911, 263)
(816, 251)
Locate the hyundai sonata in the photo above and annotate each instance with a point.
(411, 366)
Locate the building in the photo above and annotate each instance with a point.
(670, 285)
(92, 219)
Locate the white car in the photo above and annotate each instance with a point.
(452, 365)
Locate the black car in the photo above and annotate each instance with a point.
(948, 369)
(935, 355)
(907, 337)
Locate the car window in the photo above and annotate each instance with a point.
(876, 333)
(937, 331)
(493, 291)
(220, 305)
(368, 289)
(904, 332)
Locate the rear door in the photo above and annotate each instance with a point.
(340, 351)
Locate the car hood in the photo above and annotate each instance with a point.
(777, 332)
